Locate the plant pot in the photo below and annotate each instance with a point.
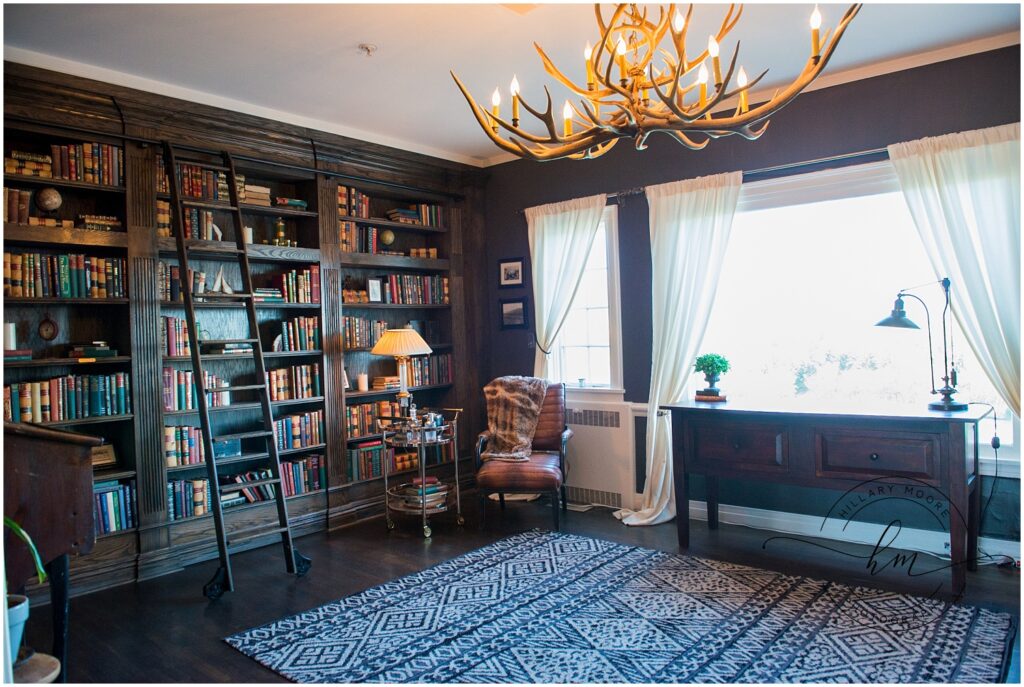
(712, 380)
(17, 614)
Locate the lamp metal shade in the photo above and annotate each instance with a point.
(898, 318)
(401, 342)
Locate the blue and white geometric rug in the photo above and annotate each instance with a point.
(557, 608)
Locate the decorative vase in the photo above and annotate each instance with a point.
(712, 380)
(17, 614)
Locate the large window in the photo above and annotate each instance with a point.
(586, 353)
(808, 273)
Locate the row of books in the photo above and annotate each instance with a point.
(199, 225)
(301, 334)
(353, 203)
(300, 430)
(187, 498)
(163, 218)
(421, 213)
(431, 369)
(293, 286)
(179, 390)
(183, 445)
(297, 477)
(168, 279)
(361, 418)
(69, 397)
(114, 506)
(295, 382)
(92, 163)
(409, 289)
(65, 275)
(365, 460)
(174, 336)
(361, 332)
(356, 238)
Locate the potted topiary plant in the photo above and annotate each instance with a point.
(17, 605)
(713, 366)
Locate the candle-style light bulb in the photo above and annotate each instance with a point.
(816, 33)
(514, 89)
(588, 52)
(620, 54)
(741, 81)
(495, 108)
(715, 63)
(678, 22)
(567, 117)
(702, 79)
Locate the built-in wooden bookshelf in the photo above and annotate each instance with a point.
(45, 109)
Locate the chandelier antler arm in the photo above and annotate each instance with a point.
(685, 140)
(554, 71)
(555, 152)
(485, 120)
(720, 94)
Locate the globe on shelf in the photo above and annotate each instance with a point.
(48, 199)
(387, 237)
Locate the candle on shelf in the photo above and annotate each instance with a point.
(363, 382)
(815, 33)
(567, 117)
(716, 64)
(514, 88)
(588, 52)
(741, 81)
(495, 109)
(620, 56)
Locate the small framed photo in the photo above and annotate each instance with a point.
(510, 273)
(375, 290)
(513, 313)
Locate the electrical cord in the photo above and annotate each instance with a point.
(995, 443)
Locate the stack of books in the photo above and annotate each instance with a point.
(291, 202)
(257, 195)
(28, 164)
(100, 223)
(266, 294)
(92, 349)
(389, 382)
(17, 354)
(404, 216)
(163, 218)
(431, 493)
(62, 223)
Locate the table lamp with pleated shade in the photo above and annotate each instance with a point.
(400, 344)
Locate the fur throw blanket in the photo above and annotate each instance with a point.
(513, 409)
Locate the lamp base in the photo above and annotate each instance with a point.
(947, 403)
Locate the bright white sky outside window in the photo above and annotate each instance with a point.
(584, 349)
(800, 291)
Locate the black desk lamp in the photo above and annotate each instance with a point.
(899, 319)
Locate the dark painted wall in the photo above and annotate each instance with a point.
(968, 93)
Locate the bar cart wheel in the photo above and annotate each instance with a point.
(426, 531)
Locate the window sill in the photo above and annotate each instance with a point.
(594, 393)
(1009, 466)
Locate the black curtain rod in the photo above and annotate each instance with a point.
(244, 158)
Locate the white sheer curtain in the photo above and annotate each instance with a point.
(690, 222)
(561, 235)
(963, 191)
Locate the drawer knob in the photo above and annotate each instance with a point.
(736, 445)
(873, 456)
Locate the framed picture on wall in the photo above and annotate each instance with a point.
(375, 290)
(513, 313)
(510, 273)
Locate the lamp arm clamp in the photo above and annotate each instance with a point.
(928, 321)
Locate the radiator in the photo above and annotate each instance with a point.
(599, 461)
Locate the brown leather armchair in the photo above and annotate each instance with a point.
(544, 472)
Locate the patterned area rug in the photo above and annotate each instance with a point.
(544, 607)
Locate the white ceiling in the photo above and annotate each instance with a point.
(300, 63)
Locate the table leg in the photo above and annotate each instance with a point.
(958, 544)
(711, 488)
(682, 510)
(973, 523)
(57, 571)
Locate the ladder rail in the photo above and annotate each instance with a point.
(212, 496)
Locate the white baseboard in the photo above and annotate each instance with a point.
(910, 539)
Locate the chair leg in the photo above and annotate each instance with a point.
(565, 500)
(501, 500)
(554, 508)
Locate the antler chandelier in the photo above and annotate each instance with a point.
(622, 76)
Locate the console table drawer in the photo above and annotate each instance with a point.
(741, 447)
(865, 454)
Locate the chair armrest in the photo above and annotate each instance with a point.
(566, 435)
(481, 444)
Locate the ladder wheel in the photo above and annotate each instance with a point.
(215, 587)
(391, 525)
(460, 520)
(426, 531)
(302, 564)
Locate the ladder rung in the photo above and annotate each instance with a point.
(240, 387)
(207, 205)
(243, 435)
(218, 294)
(236, 486)
(201, 246)
(233, 537)
(222, 342)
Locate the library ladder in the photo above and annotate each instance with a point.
(295, 562)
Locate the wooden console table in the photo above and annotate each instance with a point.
(833, 448)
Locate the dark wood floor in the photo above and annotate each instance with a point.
(164, 630)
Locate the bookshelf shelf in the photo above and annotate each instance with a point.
(277, 211)
(228, 510)
(397, 306)
(65, 301)
(99, 420)
(291, 354)
(392, 392)
(297, 401)
(404, 226)
(396, 261)
(106, 475)
(226, 250)
(235, 356)
(68, 362)
(244, 405)
(59, 237)
(241, 306)
(242, 458)
(60, 183)
(111, 535)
